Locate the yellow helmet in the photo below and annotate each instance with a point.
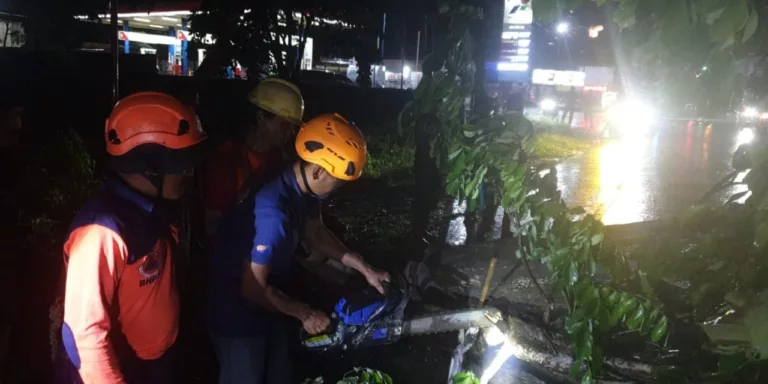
(335, 144)
(279, 97)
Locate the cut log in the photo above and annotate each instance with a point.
(459, 273)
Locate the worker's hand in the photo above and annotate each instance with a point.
(376, 277)
(316, 322)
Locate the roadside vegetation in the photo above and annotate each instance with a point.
(555, 141)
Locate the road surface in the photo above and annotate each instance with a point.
(646, 178)
(641, 178)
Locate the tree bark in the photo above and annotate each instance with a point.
(546, 349)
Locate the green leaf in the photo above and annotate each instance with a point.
(465, 377)
(751, 26)
(755, 320)
(584, 346)
(597, 239)
(728, 364)
(761, 235)
(575, 368)
(635, 319)
(733, 19)
(624, 16)
(587, 378)
(573, 273)
(659, 331)
(551, 209)
(597, 361)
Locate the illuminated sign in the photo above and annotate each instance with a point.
(518, 12)
(521, 67)
(147, 38)
(515, 36)
(183, 35)
(562, 78)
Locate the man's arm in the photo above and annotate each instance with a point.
(324, 241)
(270, 240)
(255, 288)
(95, 255)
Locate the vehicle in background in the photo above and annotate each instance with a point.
(323, 77)
(629, 118)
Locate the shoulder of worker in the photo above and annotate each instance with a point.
(100, 210)
(125, 218)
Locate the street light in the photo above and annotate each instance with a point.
(563, 28)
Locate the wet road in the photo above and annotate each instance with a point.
(641, 178)
(647, 178)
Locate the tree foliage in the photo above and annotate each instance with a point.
(691, 299)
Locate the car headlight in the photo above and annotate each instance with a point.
(632, 116)
(548, 104)
(749, 112)
(746, 135)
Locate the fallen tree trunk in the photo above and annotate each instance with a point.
(459, 274)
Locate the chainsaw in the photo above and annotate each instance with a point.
(368, 318)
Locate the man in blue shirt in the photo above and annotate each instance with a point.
(250, 307)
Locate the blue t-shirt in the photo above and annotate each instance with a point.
(265, 228)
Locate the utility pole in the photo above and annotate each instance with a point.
(383, 32)
(114, 47)
(402, 58)
(418, 43)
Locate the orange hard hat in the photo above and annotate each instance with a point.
(333, 143)
(153, 125)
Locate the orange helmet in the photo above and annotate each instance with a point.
(333, 143)
(152, 131)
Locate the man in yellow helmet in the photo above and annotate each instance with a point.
(253, 305)
(275, 110)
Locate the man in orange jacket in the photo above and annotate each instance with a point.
(275, 110)
(121, 306)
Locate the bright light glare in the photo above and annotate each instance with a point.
(632, 117)
(563, 28)
(750, 112)
(764, 115)
(519, 67)
(406, 71)
(746, 135)
(548, 104)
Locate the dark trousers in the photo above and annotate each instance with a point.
(134, 370)
(261, 359)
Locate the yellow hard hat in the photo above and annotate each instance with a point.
(335, 144)
(279, 97)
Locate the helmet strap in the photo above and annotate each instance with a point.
(304, 179)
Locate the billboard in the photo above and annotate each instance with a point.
(515, 36)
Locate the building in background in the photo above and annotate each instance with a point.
(11, 30)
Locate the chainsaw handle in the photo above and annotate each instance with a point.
(387, 287)
(304, 335)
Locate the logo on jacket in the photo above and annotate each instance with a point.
(153, 263)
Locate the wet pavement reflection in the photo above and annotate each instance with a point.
(639, 179)
(646, 178)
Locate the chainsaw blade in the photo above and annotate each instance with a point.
(452, 321)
